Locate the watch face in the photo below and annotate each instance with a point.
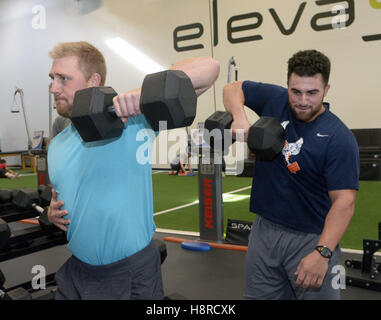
(325, 252)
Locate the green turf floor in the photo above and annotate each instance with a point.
(174, 191)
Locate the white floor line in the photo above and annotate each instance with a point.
(159, 171)
(176, 208)
(238, 190)
(180, 232)
(195, 202)
(27, 174)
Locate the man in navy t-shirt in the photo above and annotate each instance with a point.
(304, 199)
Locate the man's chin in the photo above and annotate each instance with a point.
(302, 116)
(63, 111)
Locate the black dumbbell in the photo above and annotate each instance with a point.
(5, 233)
(28, 198)
(5, 196)
(2, 279)
(5, 201)
(45, 193)
(165, 96)
(266, 136)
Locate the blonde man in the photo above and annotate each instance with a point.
(108, 217)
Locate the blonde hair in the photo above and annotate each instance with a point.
(90, 59)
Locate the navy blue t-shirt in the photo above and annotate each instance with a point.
(318, 157)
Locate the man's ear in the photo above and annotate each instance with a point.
(326, 89)
(95, 80)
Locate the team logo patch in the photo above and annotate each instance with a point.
(291, 149)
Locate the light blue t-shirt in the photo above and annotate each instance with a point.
(107, 190)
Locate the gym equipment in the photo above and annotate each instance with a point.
(162, 249)
(195, 246)
(370, 269)
(218, 132)
(238, 231)
(266, 139)
(21, 93)
(26, 241)
(5, 233)
(5, 196)
(266, 136)
(211, 219)
(225, 246)
(165, 96)
(28, 198)
(45, 194)
(5, 201)
(25, 291)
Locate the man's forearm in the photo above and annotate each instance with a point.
(202, 71)
(338, 219)
(234, 100)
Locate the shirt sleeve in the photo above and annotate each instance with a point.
(258, 95)
(342, 170)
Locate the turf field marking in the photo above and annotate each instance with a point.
(182, 232)
(196, 202)
(158, 171)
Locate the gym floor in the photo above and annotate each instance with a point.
(214, 275)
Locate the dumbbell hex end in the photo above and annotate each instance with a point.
(266, 138)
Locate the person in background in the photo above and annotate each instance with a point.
(178, 164)
(5, 172)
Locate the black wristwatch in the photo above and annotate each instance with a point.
(324, 251)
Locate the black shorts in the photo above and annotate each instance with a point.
(175, 167)
(2, 173)
(137, 277)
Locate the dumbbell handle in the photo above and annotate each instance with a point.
(111, 111)
(37, 208)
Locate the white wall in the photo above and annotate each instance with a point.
(356, 68)
(149, 24)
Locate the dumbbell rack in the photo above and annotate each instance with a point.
(24, 242)
(370, 269)
(25, 290)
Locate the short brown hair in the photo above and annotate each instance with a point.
(90, 59)
(309, 63)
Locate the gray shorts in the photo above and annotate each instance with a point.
(137, 277)
(273, 256)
